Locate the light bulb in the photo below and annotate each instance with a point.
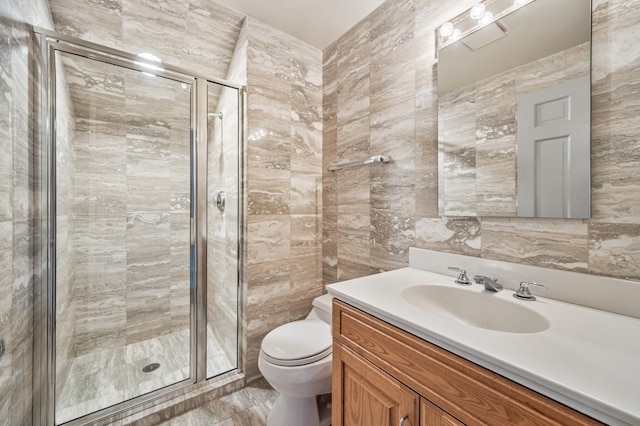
(456, 34)
(446, 29)
(519, 3)
(477, 11)
(486, 19)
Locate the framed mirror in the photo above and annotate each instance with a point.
(514, 110)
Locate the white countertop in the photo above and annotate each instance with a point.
(587, 359)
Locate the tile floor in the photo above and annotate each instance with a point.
(109, 377)
(249, 406)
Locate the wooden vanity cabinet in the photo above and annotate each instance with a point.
(370, 396)
(382, 374)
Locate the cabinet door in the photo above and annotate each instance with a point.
(364, 395)
(430, 415)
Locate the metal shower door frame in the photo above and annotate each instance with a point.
(45, 48)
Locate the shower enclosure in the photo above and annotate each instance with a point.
(141, 203)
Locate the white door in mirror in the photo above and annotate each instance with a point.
(553, 151)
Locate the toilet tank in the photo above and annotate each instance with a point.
(322, 308)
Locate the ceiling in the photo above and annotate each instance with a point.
(317, 22)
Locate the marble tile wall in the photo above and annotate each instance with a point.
(284, 182)
(370, 101)
(17, 212)
(477, 135)
(129, 205)
(380, 98)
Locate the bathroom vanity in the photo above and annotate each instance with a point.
(386, 373)
(411, 347)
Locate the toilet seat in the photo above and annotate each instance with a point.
(297, 343)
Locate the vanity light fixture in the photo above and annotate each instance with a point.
(477, 11)
(446, 29)
(481, 15)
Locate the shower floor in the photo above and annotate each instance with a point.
(105, 378)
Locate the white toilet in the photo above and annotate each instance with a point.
(295, 359)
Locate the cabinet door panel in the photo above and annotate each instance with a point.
(430, 415)
(368, 396)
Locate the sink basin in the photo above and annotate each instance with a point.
(478, 309)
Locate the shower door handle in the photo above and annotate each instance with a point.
(221, 200)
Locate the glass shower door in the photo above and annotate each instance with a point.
(123, 209)
(223, 230)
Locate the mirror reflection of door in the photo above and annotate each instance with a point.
(553, 148)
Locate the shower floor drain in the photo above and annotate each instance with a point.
(150, 367)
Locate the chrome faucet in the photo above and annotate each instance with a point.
(462, 277)
(523, 292)
(489, 283)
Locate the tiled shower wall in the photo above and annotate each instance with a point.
(380, 98)
(129, 205)
(284, 81)
(16, 208)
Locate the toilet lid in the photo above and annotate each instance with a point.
(298, 343)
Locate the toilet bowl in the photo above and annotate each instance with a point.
(295, 359)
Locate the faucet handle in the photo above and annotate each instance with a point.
(523, 292)
(462, 277)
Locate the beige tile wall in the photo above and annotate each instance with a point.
(16, 207)
(380, 98)
(130, 205)
(284, 185)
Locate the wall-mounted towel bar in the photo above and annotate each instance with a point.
(374, 159)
